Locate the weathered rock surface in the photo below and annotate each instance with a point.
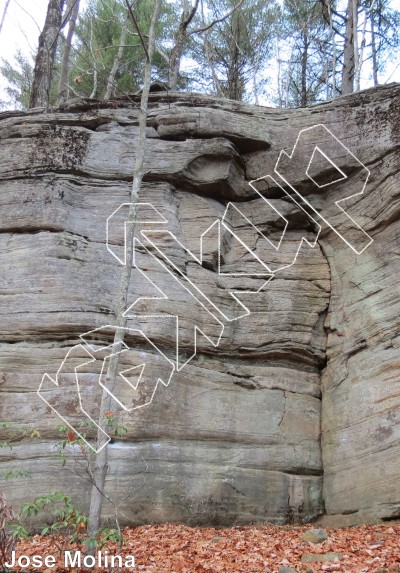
(320, 557)
(296, 411)
(314, 536)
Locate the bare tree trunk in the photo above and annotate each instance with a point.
(101, 460)
(360, 59)
(176, 56)
(182, 34)
(368, 15)
(95, 73)
(45, 57)
(304, 67)
(334, 54)
(288, 77)
(350, 43)
(374, 54)
(116, 63)
(280, 104)
(334, 61)
(235, 84)
(95, 78)
(279, 83)
(3, 17)
(327, 93)
(255, 88)
(355, 36)
(63, 84)
(180, 38)
(208, 53)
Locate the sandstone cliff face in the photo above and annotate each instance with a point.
(295, 413)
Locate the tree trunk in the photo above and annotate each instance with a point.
(63, 85)
(255, 87)
(116, 63)
(279, 75)
(327, 91)
(304, 65)
(180, 38)
(234, 80)
(350, 44)
(3, 17)
(95, 73)
(360, 60)
(334, 55)
(101, 460)
(355, 37)
(45, 57)
(289, 71)
(176, 57)
(209, 57)
(374, 54)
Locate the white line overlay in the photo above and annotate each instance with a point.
(136, 385)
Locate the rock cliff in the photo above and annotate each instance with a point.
(288, 413)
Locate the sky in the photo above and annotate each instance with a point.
(21, 29)
(25, 18)
(22, 26)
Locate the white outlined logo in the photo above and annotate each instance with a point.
(319, 162)
(302, 161)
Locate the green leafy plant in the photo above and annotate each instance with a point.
(11, 474)
(69, 437)
(63, 521)
(4, 443)
(19, 432)
(62, 517)
(19, 531)
(103, 538)
(112, 423)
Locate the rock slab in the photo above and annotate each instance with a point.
(294, 413)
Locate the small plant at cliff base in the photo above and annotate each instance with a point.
(74, 448)
(104, 537)
(64, 523)
(6, 534)
(63, 520)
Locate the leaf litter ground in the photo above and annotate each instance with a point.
(170, 548)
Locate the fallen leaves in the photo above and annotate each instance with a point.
(171, 548)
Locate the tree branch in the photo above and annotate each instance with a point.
(217, 21)
(132, 15)
(191, 14)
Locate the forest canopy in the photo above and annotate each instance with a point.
(287, 53)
